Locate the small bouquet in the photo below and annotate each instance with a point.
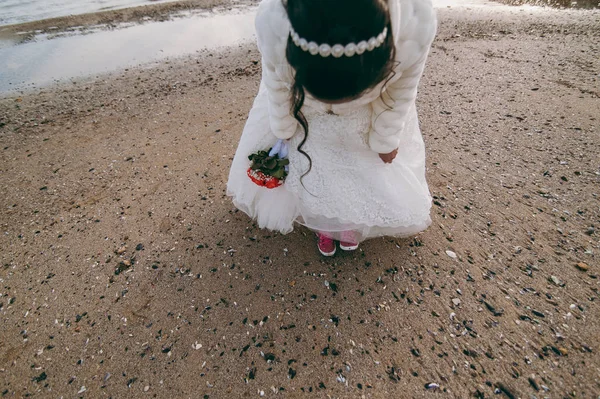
(269, 168)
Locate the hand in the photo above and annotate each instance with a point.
(280, 149)
(389, 157)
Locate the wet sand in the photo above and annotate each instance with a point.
(126, 271)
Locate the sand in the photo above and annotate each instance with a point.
(126, 271)
(586, 4)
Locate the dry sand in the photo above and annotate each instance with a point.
(126, 272)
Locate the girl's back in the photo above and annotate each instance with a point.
(339, 86)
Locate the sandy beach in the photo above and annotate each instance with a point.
(126, 271)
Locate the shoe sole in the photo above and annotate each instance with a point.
(348, 248)
(327, 253)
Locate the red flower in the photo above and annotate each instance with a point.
(260, 179)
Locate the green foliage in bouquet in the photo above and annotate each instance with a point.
(270, 166)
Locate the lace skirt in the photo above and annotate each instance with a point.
(348, 186)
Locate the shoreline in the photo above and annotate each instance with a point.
(114, 21)
(165, 11)
(40, 61)
(110, 18)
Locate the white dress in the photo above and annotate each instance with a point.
(349, 187)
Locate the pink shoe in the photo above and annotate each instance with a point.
(348, 241)
(326, 245)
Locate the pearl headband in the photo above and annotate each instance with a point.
(338, 50)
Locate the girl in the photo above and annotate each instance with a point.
(338, 91)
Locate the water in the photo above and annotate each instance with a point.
(19, 11)
(45, 61)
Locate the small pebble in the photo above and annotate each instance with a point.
(557, 281)
(538, 313)
(432, 385)
(582, 266)
(563, 351)
(451, 254)
(515, 372)
(146, 388)
(456, 301)
(533, 382)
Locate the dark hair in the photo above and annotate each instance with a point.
(334, 79)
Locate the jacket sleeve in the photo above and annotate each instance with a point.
(390, 110)
(272, 30)
(283, 124)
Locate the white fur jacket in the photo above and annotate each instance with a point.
(414, 26)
